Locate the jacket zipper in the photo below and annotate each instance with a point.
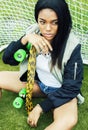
(75, 70)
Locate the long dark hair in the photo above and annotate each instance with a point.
(64, 26)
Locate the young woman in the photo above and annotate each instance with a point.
(59, 67)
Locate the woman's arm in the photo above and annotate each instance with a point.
(8, 55)
(72, 82)
(39, 42)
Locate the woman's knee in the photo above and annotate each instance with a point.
(9, 80)
(0, 92)
(1, 78)
(66, 116)
(62, 125)
(68, 124)
(72, 121)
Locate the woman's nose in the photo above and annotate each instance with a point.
(48, 27)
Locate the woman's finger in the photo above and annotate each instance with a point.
(45, 42)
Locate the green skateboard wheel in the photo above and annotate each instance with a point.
(22, 93)
(18, 102)
(29, 45)
(20, 55)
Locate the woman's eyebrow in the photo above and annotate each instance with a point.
(51, 20)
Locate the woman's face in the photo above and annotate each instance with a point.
(48, 23)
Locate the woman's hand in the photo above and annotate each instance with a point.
(34, 115)
(40, 43)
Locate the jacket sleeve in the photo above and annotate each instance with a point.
(8, 55)
(72, 82)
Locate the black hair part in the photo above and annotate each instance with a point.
(64, 26)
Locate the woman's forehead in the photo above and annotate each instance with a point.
(47, 13)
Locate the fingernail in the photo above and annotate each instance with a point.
(51, 49)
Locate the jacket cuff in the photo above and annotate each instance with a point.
(20, 45)
(46, 105)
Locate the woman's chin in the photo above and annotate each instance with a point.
(49, 39)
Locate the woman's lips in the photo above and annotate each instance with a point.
(48, 35)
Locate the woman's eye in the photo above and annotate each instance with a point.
(55, 22)
(42, 22)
